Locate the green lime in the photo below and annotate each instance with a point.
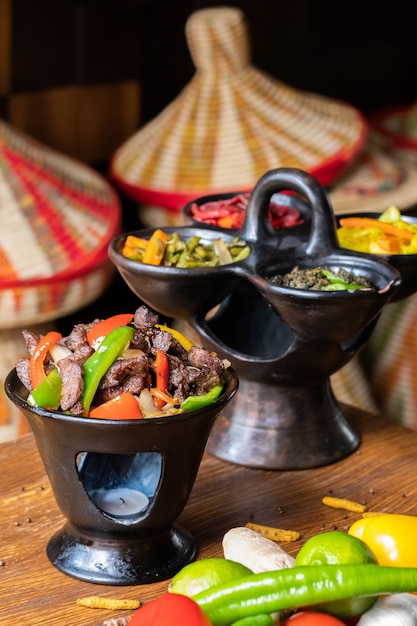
(200, 575)
(336, 547)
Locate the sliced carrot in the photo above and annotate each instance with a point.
(155, 250)
(369, 222)
(389, 245)
(101, 329)
(37, 358)
(122, 407)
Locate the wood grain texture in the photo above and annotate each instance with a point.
(32, 592)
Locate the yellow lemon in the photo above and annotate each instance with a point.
(206, 573)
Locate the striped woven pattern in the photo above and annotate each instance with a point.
(57, 218)
(232, 123)
(377, 179)
(390, 364)
(396, 128)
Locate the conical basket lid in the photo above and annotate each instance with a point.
(57, 218)
(232, 123)
(396, 128)
(377, 179)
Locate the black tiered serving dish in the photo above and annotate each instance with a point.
(284, 343)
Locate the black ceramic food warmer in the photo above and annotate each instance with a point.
(121, 485)
(284, 343)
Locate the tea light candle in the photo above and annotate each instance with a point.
(122, 502)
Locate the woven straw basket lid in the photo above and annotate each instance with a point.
(376, 180)
(231, 124)
(57, 218)
(397, 128)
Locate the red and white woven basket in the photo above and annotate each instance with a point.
(231, 124)
(377, 179)
(57, 218)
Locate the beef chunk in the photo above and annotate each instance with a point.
(163, 340)
(141, 341)
(81, 354)
(72, 382)
(210, 369)
(145, 319)
(78, 336)
(123, 369)
(200, 357)
(23, 373)
(31, 340)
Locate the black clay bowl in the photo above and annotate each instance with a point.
(286, 201)
(323, 316)
(84, 456)
(175, 292)
(406, 264)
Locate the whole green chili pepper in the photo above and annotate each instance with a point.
(96, 366)
(255, 620)
(198, 402)
(301, 586)
(48, 393)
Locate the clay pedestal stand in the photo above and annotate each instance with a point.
(121, 485)
(284, 343)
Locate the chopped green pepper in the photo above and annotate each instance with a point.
(96, 366)
(48, 393)
(192, 403)
(338, 284)
(301, 586)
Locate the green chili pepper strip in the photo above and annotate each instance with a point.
(301, 586)
(255, 620)
(96, 366)
(48, 393)
(338, 284)
(198, 402)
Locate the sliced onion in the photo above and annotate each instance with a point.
(146, 403)
(58, 352)
(168, 399)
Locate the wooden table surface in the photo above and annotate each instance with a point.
(381, 473)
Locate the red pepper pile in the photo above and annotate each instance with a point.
(230, 213)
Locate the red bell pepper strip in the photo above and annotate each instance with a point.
(101, 329)
(170, 609)
(37, 358)
(162, 375)
(122, 407)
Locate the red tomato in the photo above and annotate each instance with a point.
(172, 609)
(313, 618)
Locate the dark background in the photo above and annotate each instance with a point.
(357, 51)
